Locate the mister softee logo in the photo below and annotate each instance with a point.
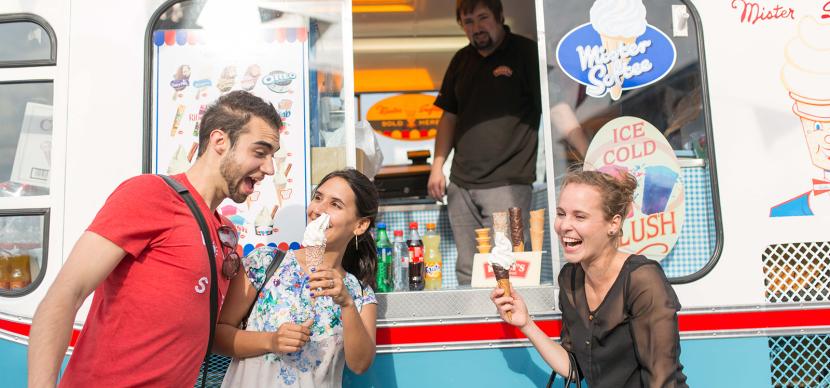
(617, 50)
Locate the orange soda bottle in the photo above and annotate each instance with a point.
(432, 258)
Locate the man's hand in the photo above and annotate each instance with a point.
(290, 337)
(437, 184)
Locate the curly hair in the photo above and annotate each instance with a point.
(617, 192)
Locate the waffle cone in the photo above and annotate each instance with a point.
(504, 284)
(612, 43)
(537, 238)
(519, 248)
(313, 258)
(314, 255)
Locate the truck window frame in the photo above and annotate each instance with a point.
(710, 148)
(34, 211)
(42, 23)
(44, 263)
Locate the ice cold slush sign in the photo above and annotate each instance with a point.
(634, 145)
(583, 57)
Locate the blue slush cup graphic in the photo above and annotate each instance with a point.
(657, 189)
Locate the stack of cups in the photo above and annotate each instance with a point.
(517, 230)
(483, 240)
(537, 229)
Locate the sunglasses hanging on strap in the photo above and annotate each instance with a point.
(214, 287)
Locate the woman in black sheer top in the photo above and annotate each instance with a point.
(619, 313)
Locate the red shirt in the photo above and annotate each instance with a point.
(148, 323)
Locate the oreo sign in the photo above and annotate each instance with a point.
(278, 81)
(611, 64)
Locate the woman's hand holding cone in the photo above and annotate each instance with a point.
(513, 304)
(327, 282)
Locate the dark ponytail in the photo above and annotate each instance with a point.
(361, 261)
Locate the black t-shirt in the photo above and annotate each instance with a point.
(631, 339)
(498, 105)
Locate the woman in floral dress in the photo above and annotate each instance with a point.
(308, 322)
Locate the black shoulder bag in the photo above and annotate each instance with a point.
(214, 287)
(278, 256)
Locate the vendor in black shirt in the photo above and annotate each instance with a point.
(491, 102)
(619, 313)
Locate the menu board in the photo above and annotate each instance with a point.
(190, 72)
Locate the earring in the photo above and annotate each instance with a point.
(612, 232)
(355, 242)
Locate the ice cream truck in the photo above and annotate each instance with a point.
(720, 109)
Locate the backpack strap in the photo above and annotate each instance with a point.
(214, 287)
(272, 267)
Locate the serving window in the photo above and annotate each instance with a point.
(288, 53)
(630, 91)
(26, 128)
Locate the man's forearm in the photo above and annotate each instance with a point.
(49, 338)
(443, 139)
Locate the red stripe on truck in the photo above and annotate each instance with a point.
(496, 331)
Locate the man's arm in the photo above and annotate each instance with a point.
(90, 261)
(443, 144)
(564, 120)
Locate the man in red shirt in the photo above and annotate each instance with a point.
(145, 257)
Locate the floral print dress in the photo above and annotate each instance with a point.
(284, 299)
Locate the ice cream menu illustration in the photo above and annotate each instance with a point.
(806, 76)
(191, 73)
(633, 145)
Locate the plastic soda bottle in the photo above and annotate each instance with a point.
(432, 258)
(400, 257)
(384, 270)
(416, 258)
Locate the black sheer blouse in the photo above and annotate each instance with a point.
(631, 339)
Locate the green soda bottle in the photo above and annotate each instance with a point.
(384, 274)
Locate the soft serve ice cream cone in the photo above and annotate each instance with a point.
(619, 23)
(314, 240)
(502, 259)
(807, 77)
